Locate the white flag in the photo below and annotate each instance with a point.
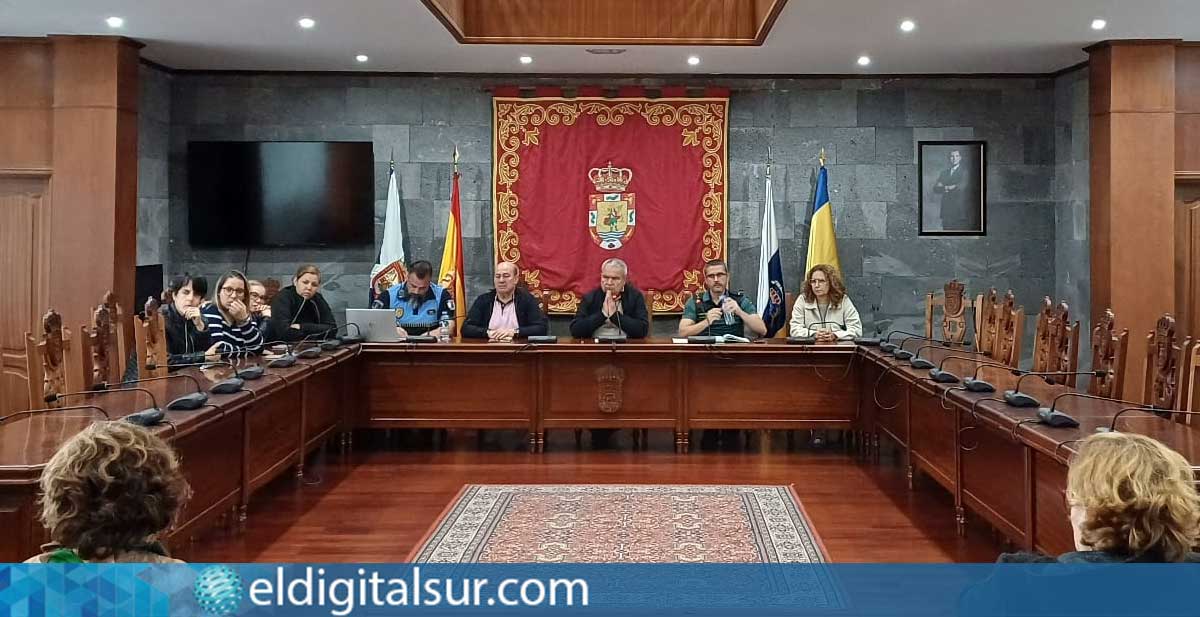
(391, 251)
(770, 268)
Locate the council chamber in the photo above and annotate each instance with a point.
(529, 281)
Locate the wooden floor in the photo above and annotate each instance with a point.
(376, 503)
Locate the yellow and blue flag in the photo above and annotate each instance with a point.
(822, 243)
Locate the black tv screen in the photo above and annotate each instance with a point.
(280, 193)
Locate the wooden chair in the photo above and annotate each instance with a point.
(1000, 325)
(648, 298)
(52, 366)
(1109, 352)
(1056, 343)
(1192, 402)
(953, 305)
(1166, 361)
(150, 340)
(102, 346)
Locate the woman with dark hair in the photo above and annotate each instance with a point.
(187, 336)
(227, 318)
(109, 495)
(299, 310)
(825, 312)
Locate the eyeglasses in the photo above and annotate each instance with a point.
(229, 291)
(255, 295)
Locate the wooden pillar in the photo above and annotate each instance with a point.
(93, 235)
(1132, 103)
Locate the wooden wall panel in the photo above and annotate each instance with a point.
(25, 99)
(611, 21)
(1187, 106)
(23, 226)
(95, 172)
(1133, 185)
(1187, 258)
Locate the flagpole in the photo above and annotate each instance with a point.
(768, 160)
(821, 157)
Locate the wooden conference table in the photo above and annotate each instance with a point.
(998, 466)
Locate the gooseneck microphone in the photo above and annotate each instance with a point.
(32, 412)
(333, 341)
(1158, 411)
(146, 417)
(1050, 415)
(186, 402)
(918, 362)
(889, 347)
(1016, 398)
(942, 376)
(249, 373)
(812, 338)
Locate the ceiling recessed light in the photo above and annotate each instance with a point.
(605, 51)
(908, 25)
(361, 57)
(114, 22)
(693, 60)
(864, 60)
(526, 59)
(1099, 24)
(307, 22)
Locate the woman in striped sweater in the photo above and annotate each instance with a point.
(227, 318)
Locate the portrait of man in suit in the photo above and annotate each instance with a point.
(952, 196)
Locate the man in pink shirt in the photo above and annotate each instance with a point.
(507, 312)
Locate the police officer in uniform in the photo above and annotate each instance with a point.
(420, 303)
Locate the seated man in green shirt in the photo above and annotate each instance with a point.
(719, 311)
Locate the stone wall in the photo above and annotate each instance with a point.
(1072, 258)
(869, 129)
(154, 134)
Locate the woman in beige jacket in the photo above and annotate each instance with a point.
(824, 311)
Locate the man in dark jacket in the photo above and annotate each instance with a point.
(615, 309)
(507, 312)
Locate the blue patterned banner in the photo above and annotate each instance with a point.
(67, 590)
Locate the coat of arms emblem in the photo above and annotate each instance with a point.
(611, 216)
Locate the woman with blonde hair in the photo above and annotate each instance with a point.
(1132, 499)
(109, 494)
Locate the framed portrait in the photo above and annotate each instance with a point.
(952, 200)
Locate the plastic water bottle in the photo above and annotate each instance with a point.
(728, 314)
(444, 329)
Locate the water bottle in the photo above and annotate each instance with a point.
(444, 329)
(728, 314)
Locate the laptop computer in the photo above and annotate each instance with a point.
(376, 325)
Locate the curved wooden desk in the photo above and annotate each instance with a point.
(994, 461)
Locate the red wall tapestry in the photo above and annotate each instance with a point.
(577, 181)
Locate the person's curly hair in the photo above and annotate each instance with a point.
(1139, 497)
(837, 289)
(113, 487)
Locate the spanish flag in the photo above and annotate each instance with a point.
(451, 276)
(822, 243)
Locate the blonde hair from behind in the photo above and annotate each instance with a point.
(1139, 497)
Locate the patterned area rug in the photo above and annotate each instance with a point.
(607, 523)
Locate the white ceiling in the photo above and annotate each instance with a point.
(810, 37)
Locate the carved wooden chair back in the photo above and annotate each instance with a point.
(946, 313)
(1109, 353)
(1056, 342)
(150, 341)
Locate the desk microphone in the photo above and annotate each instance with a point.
(332, 341)
(1051, 416)
(901, 354)
(918, 362)
(811, 339)
(975, 384)
(1016, 398)
(30, 412)
(228, 385)
(146, 417)
(1162, 413)
(186, 402)
(889, 347)
(942, 376)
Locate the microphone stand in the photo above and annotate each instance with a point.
(30, 412)
(1016, 398)
(1112, 427)
(186, 402)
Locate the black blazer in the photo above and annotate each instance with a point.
(529, 316)
(634, 320)
(288, 307)
(185, 344)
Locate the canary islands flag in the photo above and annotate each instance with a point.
(770, 269)
(822, 243)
